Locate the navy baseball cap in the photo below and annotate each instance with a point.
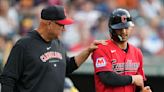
(56, 13)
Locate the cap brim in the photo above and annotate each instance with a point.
(66, 21)
(122, 25)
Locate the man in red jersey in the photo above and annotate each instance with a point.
(118, 65)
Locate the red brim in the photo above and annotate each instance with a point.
(66, 21)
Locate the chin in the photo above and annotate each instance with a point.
(124, 40)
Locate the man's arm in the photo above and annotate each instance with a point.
(74, 62)
(13, 69)
(79, 59)
(110, 78)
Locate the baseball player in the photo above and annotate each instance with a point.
(118, 66)
(38, 61)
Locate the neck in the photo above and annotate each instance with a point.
(122, 45)
(43, 34)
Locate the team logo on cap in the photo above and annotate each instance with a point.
(100, 62)
(123, 19)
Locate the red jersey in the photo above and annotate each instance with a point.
(111, 58)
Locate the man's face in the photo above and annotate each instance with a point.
(55, 29)
(124, 33)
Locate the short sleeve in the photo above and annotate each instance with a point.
(70, 65)
(101, 61)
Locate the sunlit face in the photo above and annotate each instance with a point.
(124, 33)
(55, 29)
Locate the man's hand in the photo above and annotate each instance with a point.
(138, 80)
(94, 44)
(146, 89)
(79, 59)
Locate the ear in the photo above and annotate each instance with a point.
(49, 22)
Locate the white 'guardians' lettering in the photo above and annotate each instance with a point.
(49, 55)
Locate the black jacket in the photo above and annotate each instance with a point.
(35, 65)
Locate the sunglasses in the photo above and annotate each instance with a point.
(57, 23)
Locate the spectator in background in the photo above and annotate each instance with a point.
(26, 25)
(8, 29)
(100, 31)
(55, 2)
(160, 32)
(128, 4)
(150, 10)
(141, 36)
(2, 47)
(68, 39)
(5, 47)
(85, 20)
(69, 86)
(24, 9)
(148, 38)
(8, 25)
(102, 6)
(77, 3)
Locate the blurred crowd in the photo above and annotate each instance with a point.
(17, 17)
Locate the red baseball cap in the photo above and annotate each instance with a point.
(56, 13)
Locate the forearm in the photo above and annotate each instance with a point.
(80, 58)
(113, 79)
(85, 53)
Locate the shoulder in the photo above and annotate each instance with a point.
(135, 49)
(108, 46)
(103, 48)
(24, 41)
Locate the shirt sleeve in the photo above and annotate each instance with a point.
(13, 69)
(101, 61)
(140, 69)
(112, 79)
(70, 65)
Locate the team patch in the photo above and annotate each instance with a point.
(100, 62)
